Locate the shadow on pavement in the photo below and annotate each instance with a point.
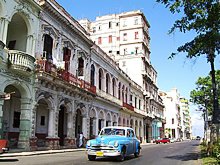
(8, 160)
(187, 157)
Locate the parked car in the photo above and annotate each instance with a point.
(172, 140)
(163, 140)
(3, 146)
(179, 139)
(198, 137)
(114, 142)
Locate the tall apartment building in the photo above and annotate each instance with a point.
(185, 119)
(172, 113)
(125, 38)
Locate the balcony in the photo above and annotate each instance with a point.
(108, 97)
(20, 61)
(125, 105)
(44, 66)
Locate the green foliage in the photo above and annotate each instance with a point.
(201, 16)
(204, 86)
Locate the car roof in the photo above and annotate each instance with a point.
(118, 127)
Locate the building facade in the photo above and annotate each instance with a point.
(185, 119)
(125, 38)
(172, 113)
(61, 83)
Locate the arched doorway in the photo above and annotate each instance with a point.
(62, 125)
(92, 75)
(11, 116)
(42, 121)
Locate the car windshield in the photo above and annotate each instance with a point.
(113, 131)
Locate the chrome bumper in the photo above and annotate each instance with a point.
(105, 153)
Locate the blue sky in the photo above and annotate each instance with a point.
(179, 72)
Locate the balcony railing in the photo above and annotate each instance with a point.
(109, 97)
(43, 65)
(21, 60)
(128, 106)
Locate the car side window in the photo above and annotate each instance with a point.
(128, 133)
(132, 133)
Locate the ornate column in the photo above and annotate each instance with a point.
(24, 129)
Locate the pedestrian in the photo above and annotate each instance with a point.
(80, 139)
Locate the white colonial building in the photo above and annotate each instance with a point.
(125, 38)
(61, 83)
(172, 113)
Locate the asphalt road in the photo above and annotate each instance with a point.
(161, 154)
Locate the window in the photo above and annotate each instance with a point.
(123, 63)
(131, 100)
(124, 22)
(136, 50)
(125, 37)
(110, 25)
(136, 35)
(99, 40)
(94, 29)
(139, 104)
(172, 120)
(42, 121)
(125, 51)
(118, 38)
(110, 51)
(117, 24)
(100, 27)
(118, 52)
(135, 102)
(16, 122)
(135, 20)
(110, 39)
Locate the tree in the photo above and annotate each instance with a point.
(204, 86)
(203, 17)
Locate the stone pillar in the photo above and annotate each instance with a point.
(70, 140)
(52, 140)
(95, 126)
(1, 119)
(33, 139)
(5, 30)
(24, 129)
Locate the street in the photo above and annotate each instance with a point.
(156, 154)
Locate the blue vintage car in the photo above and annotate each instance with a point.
(114, 142)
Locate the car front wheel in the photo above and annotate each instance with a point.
(121, 158)
(136, 154)
(91, 157)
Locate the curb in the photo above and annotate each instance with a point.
(40, 152)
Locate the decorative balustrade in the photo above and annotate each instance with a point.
(43, 65)
(109, 97)
(20, 58)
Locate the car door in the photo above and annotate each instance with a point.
(133, 141)
(130, 142)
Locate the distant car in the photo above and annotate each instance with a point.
(198, 137)
(172, 140)
(179, 139)
(113, 142)
(163, 140)
(3, 146)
